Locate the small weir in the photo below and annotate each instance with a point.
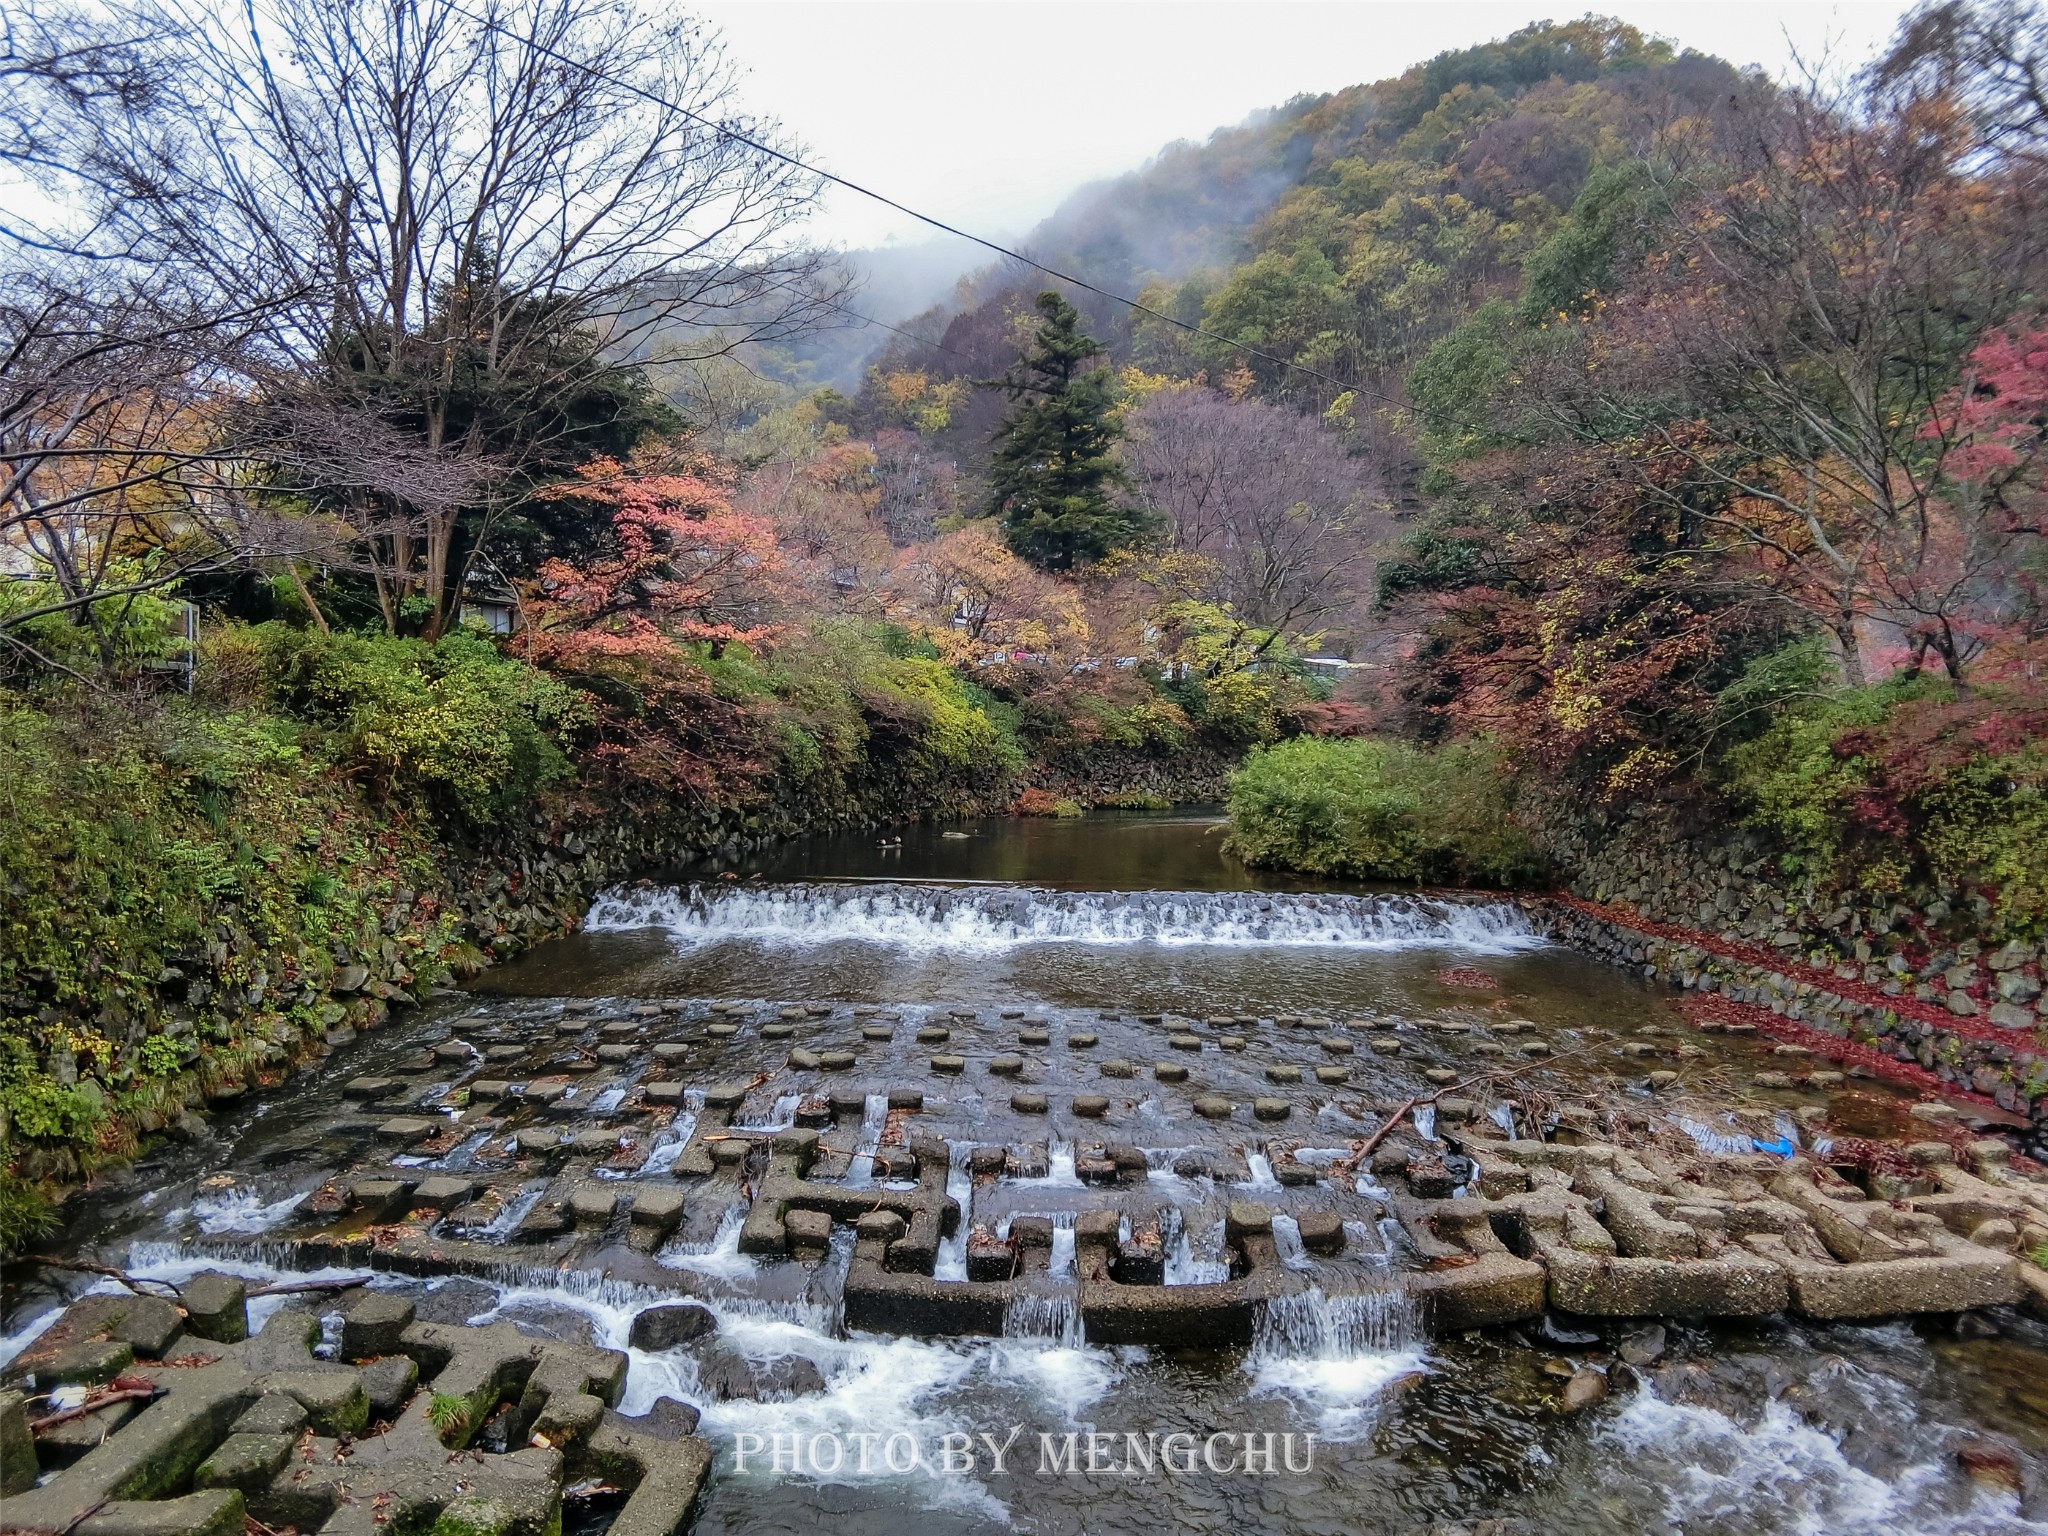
(840, 1157)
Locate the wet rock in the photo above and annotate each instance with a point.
(950, 1066)
(1331, 1076)
(810, 1233)
(1270, 1109)
(1322, 1232)
(787, 1376)
(1585, 1388)
(1169, 1072)
(1081, 1040)
(1659, 1081)
(1028, 1103)
(1090, 1106)
(1213, 1107)
(659, 1328)
(801, 1060)
(1554, 1330)
(1645, 1346)
(1991, 1464)
(667, 1419)
(1118, 1067)
(1283, 1072)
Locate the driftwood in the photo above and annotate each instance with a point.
(1371, 1144)
(136, 1283)
(93, 1404)
(299, 1287)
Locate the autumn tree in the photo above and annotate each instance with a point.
(683, 565)
(969, 584)
(468, 219)
(1284, 515)
(1055, 481)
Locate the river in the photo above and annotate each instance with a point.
(1028, 934)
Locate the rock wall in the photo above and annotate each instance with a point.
(1709, 908)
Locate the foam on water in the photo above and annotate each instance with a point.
(1004, 917)
(241, 1210)
(1784, 1475)
(12, 1344)
(1334, 1354)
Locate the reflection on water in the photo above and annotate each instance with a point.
(1735, 1429)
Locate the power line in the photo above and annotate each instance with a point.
(726, 130)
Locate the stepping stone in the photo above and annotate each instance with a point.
(1535, 1047)
(801, 1060)
(1184, 1042)
(1659, 1081)
(671, 1052)
(1211, 1107)
(836, 1061)
(504, 1053)
(406, 1129)
(1489, 1048)
(934, 1034)
(1081, 1041)
(1322, 1232)
(1440, 1075)
(950, 1065)
(724, 1029)
(1169, 1072)
(620, 1027)
(1332, 1075)
(1283, 1072)
(1336, 1045)
(905, 1098)
(810, 1233)
(368, 1088)
(1091, 1106)
(617, 1052)
(664, 1094)
(1006, 1066)
(777, 1031)
(877, 1032)
(1270, 1109)
(725, 1096)
(1232, 1042)
(1116, 1066)
(489, 1090)
(1385, 1047)
(1034, 1037)
(372, 1323)
(1028, 1103)
(442, 1194)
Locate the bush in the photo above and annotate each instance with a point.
(457, 716)
(1380, 810)
(1901, 786)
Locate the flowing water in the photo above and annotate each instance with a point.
(1778, 1426)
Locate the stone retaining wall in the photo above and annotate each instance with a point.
(1928, 984)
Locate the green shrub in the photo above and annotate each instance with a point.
(457, 715)
(1379, 810)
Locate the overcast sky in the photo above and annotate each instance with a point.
(985, 113)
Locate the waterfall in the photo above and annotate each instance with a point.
(1057, 1318)
(1002, 917)
(952, 1264)
(1311, 1325)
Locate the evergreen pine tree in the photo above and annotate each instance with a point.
(1055, 479)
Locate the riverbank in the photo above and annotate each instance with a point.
(198, 895)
